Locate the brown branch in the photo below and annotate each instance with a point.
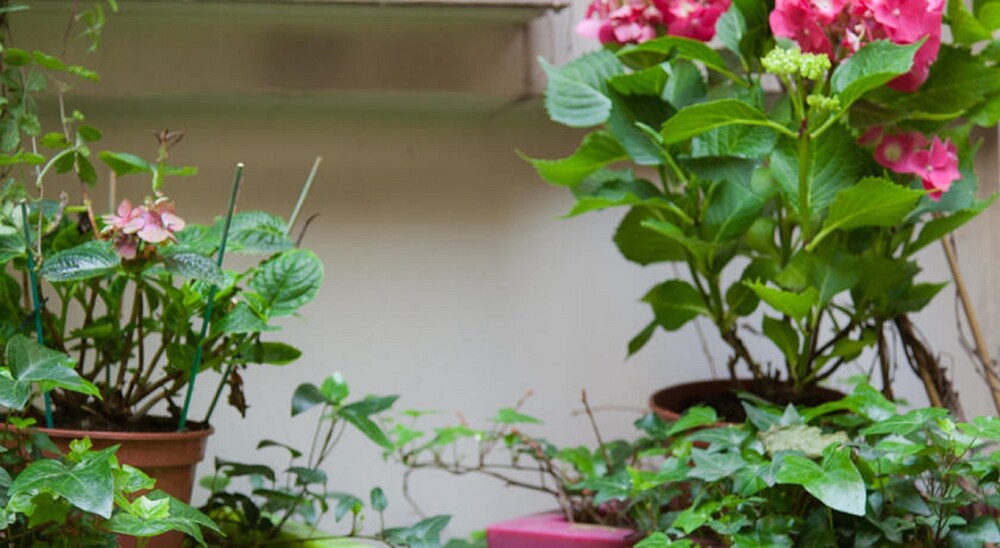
(986, 362)
(597, 431)
(742, 353)
(884, 363)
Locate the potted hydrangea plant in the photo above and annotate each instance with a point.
(792, 173)
(136, 300)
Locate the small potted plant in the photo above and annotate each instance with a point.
(609, 496)
(850, 472)
(85, 494)
(285, 506)
(138, 296)
(792, 174)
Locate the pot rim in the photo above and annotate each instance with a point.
(123, 435)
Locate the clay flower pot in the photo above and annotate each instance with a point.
(551, 530)
(671, 402)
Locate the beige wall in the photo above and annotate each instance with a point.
(450, 278)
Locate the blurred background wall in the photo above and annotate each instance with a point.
(450, 277)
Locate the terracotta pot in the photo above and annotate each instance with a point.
(168, 457)
(671, 402)
(551, 530)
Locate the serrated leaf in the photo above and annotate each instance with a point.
(597, 150)
(870, 67)
(643, 246)
(576, 93)
(685, 48)
(732, 209)
(85, 261)
(190, 264)
(871, 202)
(702, 117)
(256, 232)
(796, 305)
(241, 320)
(288, 281)
(937, 228)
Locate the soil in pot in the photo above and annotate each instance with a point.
(669, 403)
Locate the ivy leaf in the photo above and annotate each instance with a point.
(577, 94)
(906, 423)
(288, 281)
(715, 466)
(702, 117)
(88, 484)
(85, 261)
(870, 67)
(597, 150)
(694, 417)
(836, 482)
(29, 363)
(378, 500)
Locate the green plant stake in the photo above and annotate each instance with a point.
(36, 302)
(211, 298)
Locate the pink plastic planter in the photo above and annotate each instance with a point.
(551, 530)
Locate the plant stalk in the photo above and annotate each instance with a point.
(211, 299)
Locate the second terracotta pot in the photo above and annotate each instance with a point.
(671, 402)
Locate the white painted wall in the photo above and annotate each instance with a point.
(451, 279)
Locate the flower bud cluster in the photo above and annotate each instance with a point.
(793, 62)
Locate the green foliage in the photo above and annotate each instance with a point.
(715, 172)
(283, 506)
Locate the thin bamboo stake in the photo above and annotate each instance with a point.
(970, 315)
(36, 301)
(303, 194)
(211, 300)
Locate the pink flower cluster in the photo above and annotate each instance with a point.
(636, 21)
(936, 163)
(153, 222)
(839, 27)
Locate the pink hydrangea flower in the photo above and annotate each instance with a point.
(798, 20)
(633, 22)
(896, 151)
(937, 166)
(693, 18)
(817, 25)
(909, 153)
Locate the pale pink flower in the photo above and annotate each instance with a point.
(895, 151)
(123, 217)
(159, 221)
(937, 166)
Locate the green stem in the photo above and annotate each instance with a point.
(207, 319)
(804, 213)
(303, 194)
(35, 300)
